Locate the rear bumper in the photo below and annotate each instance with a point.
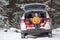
(33, 31)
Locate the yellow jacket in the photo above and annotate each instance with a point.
(36, 20)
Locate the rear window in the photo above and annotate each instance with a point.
(30, 7)
(31, 14)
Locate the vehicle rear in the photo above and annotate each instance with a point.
(27, 27)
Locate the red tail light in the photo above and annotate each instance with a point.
(48, 19)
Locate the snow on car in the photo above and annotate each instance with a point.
(27, 27)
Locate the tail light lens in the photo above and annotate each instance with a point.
(48, 19)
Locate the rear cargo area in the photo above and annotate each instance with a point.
(30, 15)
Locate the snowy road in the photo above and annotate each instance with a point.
(16, 36)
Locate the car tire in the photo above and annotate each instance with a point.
(50, 34)
(22, 35)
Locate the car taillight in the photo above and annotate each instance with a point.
(22, 20)
(48, 19)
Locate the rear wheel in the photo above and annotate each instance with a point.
(22, 35)
(50, 34)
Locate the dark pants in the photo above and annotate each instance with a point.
(37, 26)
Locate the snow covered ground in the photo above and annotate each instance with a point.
(10, 35)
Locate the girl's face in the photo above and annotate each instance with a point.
(36, 14)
